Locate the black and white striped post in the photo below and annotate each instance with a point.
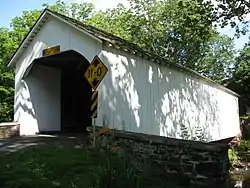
(94, 75)
(93, 109)
(94, 104)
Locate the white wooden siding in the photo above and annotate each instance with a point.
(41, 100)
(141, 96)
(136, 95)
(53, 33)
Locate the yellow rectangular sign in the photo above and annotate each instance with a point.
(95, 72)
(51, 50)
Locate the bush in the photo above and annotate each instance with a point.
(118, 172)
(244, 146)
(233, 157)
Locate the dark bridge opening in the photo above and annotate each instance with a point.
(75, 101)
(75, 90)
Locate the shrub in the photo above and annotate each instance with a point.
(120, 171)
(244, 146)
(233, 156)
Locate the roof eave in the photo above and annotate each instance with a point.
(72, 25)
(42, 17)
(40, 21)
(161, 60)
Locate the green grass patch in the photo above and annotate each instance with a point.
(61, 164)
(51, 166)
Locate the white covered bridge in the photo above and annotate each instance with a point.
(140, 93)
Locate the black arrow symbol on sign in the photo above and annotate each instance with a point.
(95, 82)
(95, 63)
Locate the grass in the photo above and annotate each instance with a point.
(61, 164)
(49, 166)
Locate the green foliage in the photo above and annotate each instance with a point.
(237, 153)
(79, 11)
(218, 58)
(115, 21)
(240, 81)
(127, 175)
(244, 146)
(179, 30)
(242, 71)
(121, 173)
(171, 29)
(22, 24)
(233, 157)
(229, 12)
(7, 46)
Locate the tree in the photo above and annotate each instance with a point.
(240, 81)
(7, 46)
(22, 24)
(174, 29)
(182, 32)
(116, 21)
(218, 58)
(79, 11)
(230, 11)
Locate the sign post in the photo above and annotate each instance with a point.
(93, 109)
(94, 75)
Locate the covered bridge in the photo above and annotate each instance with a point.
(140, 93)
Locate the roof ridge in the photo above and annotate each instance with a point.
(136, 47)
(88, 26)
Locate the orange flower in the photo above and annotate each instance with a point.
(103, 130)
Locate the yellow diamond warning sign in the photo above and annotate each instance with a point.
(95, 72)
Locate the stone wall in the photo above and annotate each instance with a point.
(191, 163)
(8, 130)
